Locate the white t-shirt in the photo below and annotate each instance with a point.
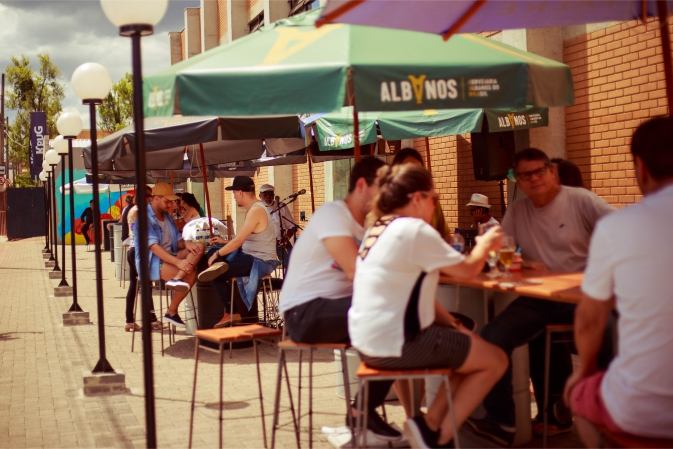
(384, 281)
(490, 221)
(630, 258)
(312, 272)
(557, 234)
(276, 217)
(198, 230)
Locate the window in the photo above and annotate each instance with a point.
(300, 6)
(256, 23)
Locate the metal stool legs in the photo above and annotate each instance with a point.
(551, 329)
(135, 311)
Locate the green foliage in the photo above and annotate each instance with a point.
(31, 91)
(116, 111)
(23, 180)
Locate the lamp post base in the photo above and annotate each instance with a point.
(46, 255)
(76, 318)
(55, 274)
(103, 366)
(63, 283)
(49, 264)
(61, 291)
(46, 251)
(104, 383)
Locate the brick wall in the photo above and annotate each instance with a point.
(619, 83)
(182, 43)
(453, 173)
(222, 19)
(300, 180)
(260, 177)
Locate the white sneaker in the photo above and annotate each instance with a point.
(178, 285)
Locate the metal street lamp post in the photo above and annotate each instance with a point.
(43, 178)
(52, 158)
(61, 148)
(46, 168)
(69, 124)
(135, 19)
(92, 83)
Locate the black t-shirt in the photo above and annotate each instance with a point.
(87, 215)
(125, 223)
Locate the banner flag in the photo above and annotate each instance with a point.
(38, 139)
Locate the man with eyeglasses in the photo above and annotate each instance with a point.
(552, 225)
(171, 258)
(282, 219)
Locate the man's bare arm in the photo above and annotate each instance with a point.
(255, 216)
(344, 250)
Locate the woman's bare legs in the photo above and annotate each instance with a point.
(484, 366)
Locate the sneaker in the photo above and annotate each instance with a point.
(175, 319)
(552, 429)
(492, 430)
(419, 435)
(228, 320)
(178, 285)
(214, 271)
(381, 429)
(132, 326)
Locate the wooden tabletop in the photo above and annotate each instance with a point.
(237, 333)
(550, 285)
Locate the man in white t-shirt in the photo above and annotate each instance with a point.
(552, 225)
(318, 288)
(629, 267)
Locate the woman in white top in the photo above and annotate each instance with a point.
(395, 322)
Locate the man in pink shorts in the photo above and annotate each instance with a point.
(629, 268)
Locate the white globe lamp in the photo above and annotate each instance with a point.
(91, 82)
(134, 16)
(60, 145)
(52, 157)
(46, 167)
(43, 176)
(69, 124)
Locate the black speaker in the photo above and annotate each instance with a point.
(492, 154)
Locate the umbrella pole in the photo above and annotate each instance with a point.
(310, 178)
(427, 154)
(205, 188)
(472, 10)
(356, 131)
(666, 48)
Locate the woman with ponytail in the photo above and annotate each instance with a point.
(394, 321)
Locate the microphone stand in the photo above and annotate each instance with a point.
(282, 204)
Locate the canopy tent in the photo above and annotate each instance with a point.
(224, 139)
(473, 16)
(335, 129)
(293, 67)
(83, 187)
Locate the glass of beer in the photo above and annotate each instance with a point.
(507, 254)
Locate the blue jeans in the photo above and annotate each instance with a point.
(240, 264)
(524, 321)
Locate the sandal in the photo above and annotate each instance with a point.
(157, 325)
(132, 326)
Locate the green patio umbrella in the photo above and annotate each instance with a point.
(335, 130)
(292, 67)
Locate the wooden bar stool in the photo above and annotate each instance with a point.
(252, 332)
(270, 300)
(550, 330)
(289, 345)
(366, 374)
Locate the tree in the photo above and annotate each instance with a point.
(31, 91)
(116, 111)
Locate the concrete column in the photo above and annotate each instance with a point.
(237, 16)
(192, 32)
(275, 10)
(176, 46)
(281, 178)
(208, 18)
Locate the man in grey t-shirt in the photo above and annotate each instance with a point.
(552, 226)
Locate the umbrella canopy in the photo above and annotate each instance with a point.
(438, 17)
(335, 130)
(292, 67)
(224, 139)
(83, 187)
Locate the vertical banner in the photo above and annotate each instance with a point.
(38, 139)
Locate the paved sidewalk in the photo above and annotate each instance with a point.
(41, 365)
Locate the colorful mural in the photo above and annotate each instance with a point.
(111, 202)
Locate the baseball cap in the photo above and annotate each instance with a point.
(163, 189)
(243, 183)
(267, 188)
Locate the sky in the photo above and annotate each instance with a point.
(76, 31)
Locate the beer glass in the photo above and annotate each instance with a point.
(507, 254)
(492, 256)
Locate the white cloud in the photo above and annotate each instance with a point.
(74, 32)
